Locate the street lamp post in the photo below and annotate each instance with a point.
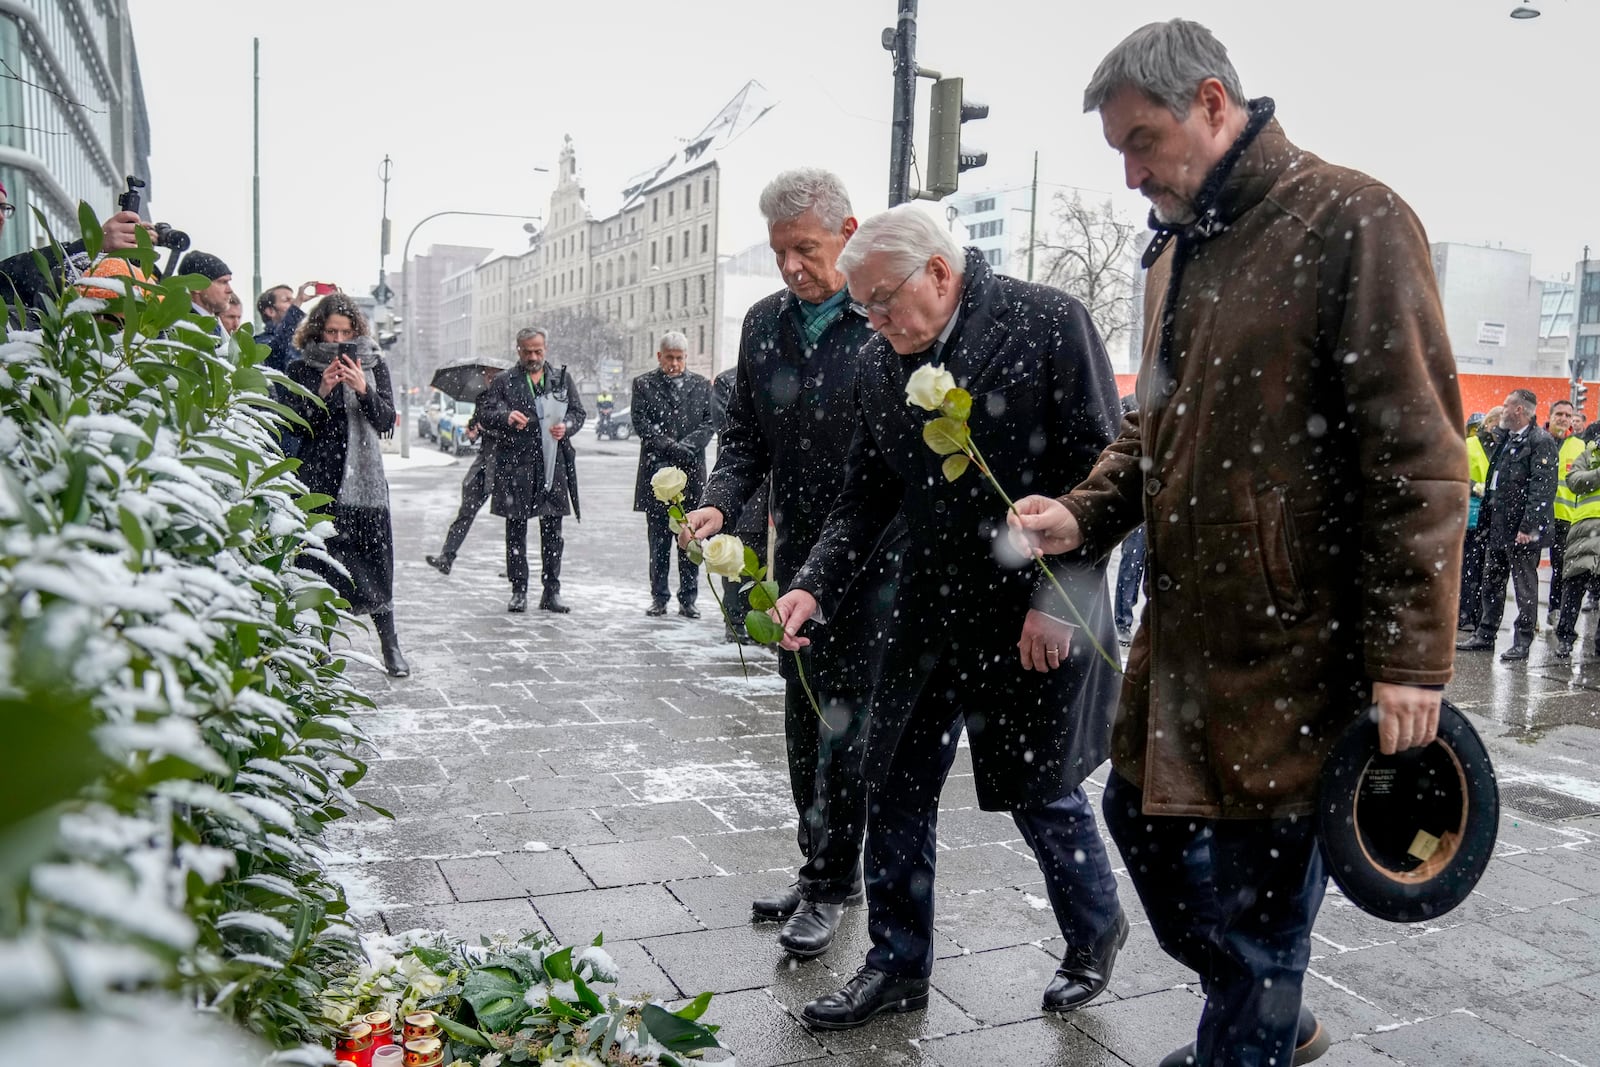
(406, 325)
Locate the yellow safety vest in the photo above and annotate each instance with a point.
(1566, 500)
(1477, 460)
(1586, 507)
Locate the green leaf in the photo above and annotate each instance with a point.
(94, 238)
(675, 1032)
(752, 562)
(957, 405)
(764, 596)
(314, 596)
(759, 625)
(696, 553)
(430, 956)
(496, 998)
(599, 939)
(945, 435)
(465, 1034)
(955, 466)
(559, 965)
(695, 1008)
(587, 997)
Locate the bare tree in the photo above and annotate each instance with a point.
(582, 340)
(1088, 252)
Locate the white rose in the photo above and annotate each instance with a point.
(427, 985)
(668, 484)
(724, 555)
(928, 385)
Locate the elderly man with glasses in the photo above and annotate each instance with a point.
(977, 637)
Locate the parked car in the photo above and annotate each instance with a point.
(453, 428)
(618, 426)
(428, 417)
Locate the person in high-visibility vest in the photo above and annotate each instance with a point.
(1560, 427)
(1583, 541)
(1480, 435)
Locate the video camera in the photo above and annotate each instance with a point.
(166, 236)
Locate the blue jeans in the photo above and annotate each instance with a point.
(1234, 900)
(1130, 573)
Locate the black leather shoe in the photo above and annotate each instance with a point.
(1311, 1041)
(868, 993)
(552, 602)
(1514, 654)
(810, 929)
(1476, 643)
(1564, 648)
(656, 608)
(1085, 972)
(518, 604)
(688, 611)
(778, 906)
(439, 563)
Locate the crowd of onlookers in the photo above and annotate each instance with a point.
(1534, 489)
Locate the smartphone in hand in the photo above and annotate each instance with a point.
(323, 288)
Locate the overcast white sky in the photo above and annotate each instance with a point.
(1484, 124)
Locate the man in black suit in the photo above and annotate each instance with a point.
(791, 418)
(526, 411)
(976, 638)
(672, 416)
(1517, 510)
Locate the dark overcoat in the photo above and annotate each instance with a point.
(518, 463)
(322, 459)
(1044, 405)
(750, 520)
(791, 418)
(674, 426)
(1297, 455)
(1523, 472)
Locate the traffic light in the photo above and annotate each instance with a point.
(947, 157)
(1580, 397)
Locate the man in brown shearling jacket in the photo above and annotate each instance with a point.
(1304, 495)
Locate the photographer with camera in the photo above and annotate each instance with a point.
(340, 456)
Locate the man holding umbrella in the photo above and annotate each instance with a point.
(531, 413)
(466, 382)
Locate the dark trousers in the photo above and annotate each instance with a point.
(1130, 573)
(902, 834)
(550, 545)
(475, 489)
(830, 793)
(662, 545)
(1572, 591)
(1472, 558)
(1558, 558)
(1521, 564)
(1234, 900)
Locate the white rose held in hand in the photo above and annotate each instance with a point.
(668, 484)
(724, 556)
(928, 385)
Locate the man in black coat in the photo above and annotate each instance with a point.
(527, 410)
(791, 418)
(750, 523)
(672, 416)
(1518, 507)
(1038, 709)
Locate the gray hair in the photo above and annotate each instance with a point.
(528, 333)
(1525, 397)
(908, 235)
(1166, 61)
(794, 192)
(675, 341)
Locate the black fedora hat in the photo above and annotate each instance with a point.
(1407, 836)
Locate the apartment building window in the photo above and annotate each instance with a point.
(1591, 312)
(610, 274)
(702, 290)
(580, 277)
(986, 204)
(652, 253)
(1591, 282)
(650, 299)
(685, 244)
(685, 293)
(687, 188)
(994, 256)
(671, 196)
(702, 347)
(666, 297)
(705, 191)
(630, 305)
(633, 268)
(633, 224)
(669, 248)
(705, 238)
(986, 229)
(655, 209)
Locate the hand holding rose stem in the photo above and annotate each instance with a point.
(726, 556)
(934, 389)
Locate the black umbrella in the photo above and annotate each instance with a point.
(464, 379)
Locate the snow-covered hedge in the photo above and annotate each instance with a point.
(177, 733)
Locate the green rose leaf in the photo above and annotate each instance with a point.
(496, 998)
(752, 562)
(696, 553)
(675, 1032)
(759, 625)
(764, 596)
(957, 405)
(559, 965)
(695, 1008)
(945, 435)
(955, 466)
(465, 1034)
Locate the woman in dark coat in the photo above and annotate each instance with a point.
(340, 456)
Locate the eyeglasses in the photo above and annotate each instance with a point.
(881, 307)
(7, 210)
